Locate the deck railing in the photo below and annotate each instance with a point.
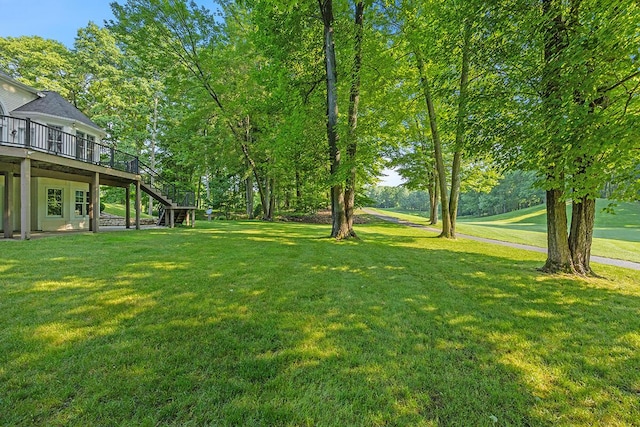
(179, 194)
(52, 140)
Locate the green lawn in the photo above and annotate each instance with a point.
(273, 324)
(615, 235)
(119, 210)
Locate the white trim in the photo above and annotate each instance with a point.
(85, 203)
(46, 200)
(65, 120)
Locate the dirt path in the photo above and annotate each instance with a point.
(601, 260)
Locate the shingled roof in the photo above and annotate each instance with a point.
(52, 104)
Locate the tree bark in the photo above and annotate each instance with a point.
(460, 127)
(558, 252)
(298, 191)
(272, 197)
(354, 101)
(340, 226)
(249, 196)
(581, 235)
(433, 198)
(437, 148)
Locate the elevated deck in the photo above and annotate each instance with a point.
(47, 152)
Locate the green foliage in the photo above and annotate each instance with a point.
(516, 190)
(42, 63)
(572, 119)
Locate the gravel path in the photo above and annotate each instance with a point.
(601, 260)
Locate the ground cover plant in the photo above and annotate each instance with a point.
(254, 323)
(616, 235)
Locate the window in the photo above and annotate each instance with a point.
(80, 144)
(54, 202)
(91, 142)
(82, 203)
(54, 136)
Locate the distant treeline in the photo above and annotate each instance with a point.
(516, 190)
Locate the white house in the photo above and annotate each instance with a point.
(53, 162)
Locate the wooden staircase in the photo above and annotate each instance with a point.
(180, 215)
(171, 214)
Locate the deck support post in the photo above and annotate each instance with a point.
(94, 204)
(138, 204)
(127, 207)
(25, 199)
(172, 217)
(193, 218)
(7, 211)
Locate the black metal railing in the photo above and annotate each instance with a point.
(26, 133)
(178, 193)
(52, 140)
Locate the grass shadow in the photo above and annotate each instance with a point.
(273, 324)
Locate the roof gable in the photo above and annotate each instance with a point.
(53, 104)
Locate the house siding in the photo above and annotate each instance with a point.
(39, 219)
(12, 97)
(68, 220)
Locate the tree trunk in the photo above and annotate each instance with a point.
(354, 101)
(272, 198)
(558, 252)
(249, 196)
(460, 127)
(263, 184)
(298, 190)
(437, 148)
(340, 226)
(581, 235)
(433, 197)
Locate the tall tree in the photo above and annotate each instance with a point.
(573, 69)
(342, 193)
(185, 38)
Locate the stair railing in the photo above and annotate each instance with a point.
(170, 190)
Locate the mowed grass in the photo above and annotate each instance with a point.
(616, 235)
(273, 324)
(120, 210)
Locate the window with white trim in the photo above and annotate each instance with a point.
(91, 143)
(54, 202)
(80, 145)
(82, 203)
(54, 136)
